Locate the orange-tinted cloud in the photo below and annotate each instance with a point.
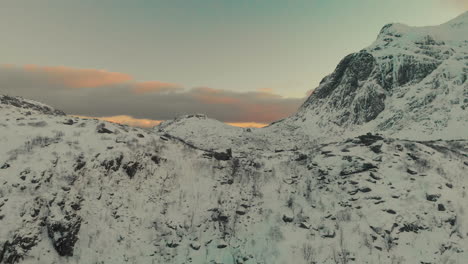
(154, 100)
(248, 124)
(149, 123)
(127, 120)
(79, 78)
(155, 87)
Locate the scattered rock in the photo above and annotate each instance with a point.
(432, 197)
(357, 168)
(131, 168)
(412, 172)
(241, 211)
(288, 217)
(301, 157)
(440, 207)
(13, 251)
(172, 244)
(326, 232)
(69, 122)
(64, 234)
(376, 148)
(103, 130)
(369, 139)
(374, 176)
(195, 245)
(220, 155)
(365, 189)
(222, 244)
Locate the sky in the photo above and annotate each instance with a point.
(245, 62)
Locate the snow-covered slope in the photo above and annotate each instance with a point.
(312, 188)
(410, 83)
(84, 191)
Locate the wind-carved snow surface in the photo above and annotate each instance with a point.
(195, 190)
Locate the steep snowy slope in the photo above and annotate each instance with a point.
(313, 188)
(85, 191)
(410, 83)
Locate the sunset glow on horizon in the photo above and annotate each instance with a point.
(245, 63)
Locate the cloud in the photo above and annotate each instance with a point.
(155, 87)
(126, 120)
(78, 78)
(123, 100)
(248, 124)
(149, 123)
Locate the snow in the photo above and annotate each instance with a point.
(302, 190)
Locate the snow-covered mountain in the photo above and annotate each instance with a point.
(313, 188)
(410, 83)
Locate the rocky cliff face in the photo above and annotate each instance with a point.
(410, 83)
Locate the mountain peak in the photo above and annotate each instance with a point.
(409, 83)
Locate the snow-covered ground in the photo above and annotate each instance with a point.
(313, 188)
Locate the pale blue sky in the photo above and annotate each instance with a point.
(236, 45)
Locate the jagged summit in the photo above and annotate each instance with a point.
(410, 83)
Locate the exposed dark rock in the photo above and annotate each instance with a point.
(140, 135)
(412, 156)
(440, 207)
(103, 130)
(432, 197)
(69, 122)
(301, 157)
(218, 216)
(376, 148)
(390, 211)
(157, 160)
(172, 244)
(411, 227)
(220, 155)
(365, 189)
(369, 139)
(80, 163)
(288, 218)
(113, 164)
(374, 176)
(13, 251)
(5, 166)
(222, 245)
(64, 234)
(357, 168)
(131, 168)
(195, 245)
(412, 172)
